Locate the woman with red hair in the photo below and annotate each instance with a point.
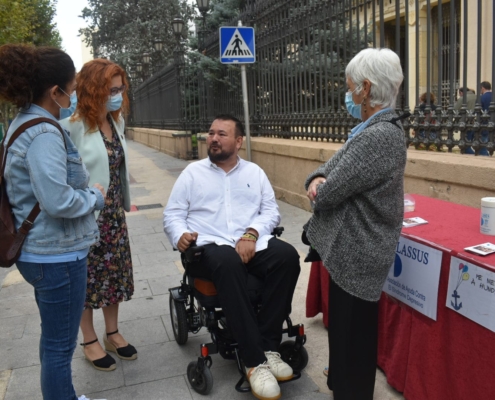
(97, 129)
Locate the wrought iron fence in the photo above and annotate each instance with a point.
(157, 102)
(297, 85)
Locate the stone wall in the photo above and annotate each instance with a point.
(458, 178)
(177, 144)
(462, 179)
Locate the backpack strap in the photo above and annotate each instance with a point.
(403, 116)
(23, 230)
(26, 125)
(28, 222)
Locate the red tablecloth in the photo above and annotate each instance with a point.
(451, 358)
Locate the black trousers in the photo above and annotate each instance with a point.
(278, 266)
(353, 341)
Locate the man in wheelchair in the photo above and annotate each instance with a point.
(227, 205)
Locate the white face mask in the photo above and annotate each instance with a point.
(62, 113)
(352, 108)
(114, 102)
(67, 112)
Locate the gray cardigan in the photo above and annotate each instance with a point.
(359, 210)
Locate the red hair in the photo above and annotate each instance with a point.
(92, 91)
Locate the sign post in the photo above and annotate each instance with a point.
(237, 47)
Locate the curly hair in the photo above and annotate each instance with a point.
(92, 91)
(27, 72)
(423, 98)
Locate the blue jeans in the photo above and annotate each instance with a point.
(483, 139)
(60, 290)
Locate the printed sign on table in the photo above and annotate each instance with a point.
(414, 276)
(471, 292)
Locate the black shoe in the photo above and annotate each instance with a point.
(106, 363)
(128, 352)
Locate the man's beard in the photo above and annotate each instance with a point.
(218, 157)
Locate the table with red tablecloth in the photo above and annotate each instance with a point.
(450, 358)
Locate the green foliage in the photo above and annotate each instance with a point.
(16, 21)
(28, 21)
(122, 30)
(45, 30)
(221, 12)
(317, 57)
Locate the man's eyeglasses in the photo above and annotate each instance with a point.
(116, 90)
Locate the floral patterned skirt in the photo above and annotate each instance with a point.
(110, 278)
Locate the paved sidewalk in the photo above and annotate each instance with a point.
(159, 373)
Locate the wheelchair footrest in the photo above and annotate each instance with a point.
(296, 376)
(239, 384)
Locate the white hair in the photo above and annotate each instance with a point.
(382, 68)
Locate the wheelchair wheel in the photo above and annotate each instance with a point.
(178, 316)
(297, 359)
(201, 382)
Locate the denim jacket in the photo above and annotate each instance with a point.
(39, 168)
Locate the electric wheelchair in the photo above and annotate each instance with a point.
(194, 304)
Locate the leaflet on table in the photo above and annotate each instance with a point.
(415, 275)
(413, 221)
(482, 249)
(471, 292)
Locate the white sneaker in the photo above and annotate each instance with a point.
(264, 386)
(279, 368)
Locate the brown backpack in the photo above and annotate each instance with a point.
(11, 240)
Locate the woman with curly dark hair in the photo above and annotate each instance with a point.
(43, 167)
(97, 129)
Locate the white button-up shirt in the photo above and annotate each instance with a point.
(221, 206)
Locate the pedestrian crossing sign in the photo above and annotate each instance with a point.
(237, 45)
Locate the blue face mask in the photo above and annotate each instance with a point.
(353, 109)
(67, 112)
(114, 102)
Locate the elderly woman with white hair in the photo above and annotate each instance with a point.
(358, 198)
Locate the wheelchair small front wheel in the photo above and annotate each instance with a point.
(201, 381)
(296, 358)
(178, 317)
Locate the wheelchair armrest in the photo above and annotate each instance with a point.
(278, 231)
(193, 253)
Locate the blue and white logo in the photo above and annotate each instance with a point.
(414, 276)
(397, 266)
(237, 45)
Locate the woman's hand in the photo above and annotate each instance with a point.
(313, 186)
(100, 188)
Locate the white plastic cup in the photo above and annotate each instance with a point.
(409, 203)
(487, 220)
